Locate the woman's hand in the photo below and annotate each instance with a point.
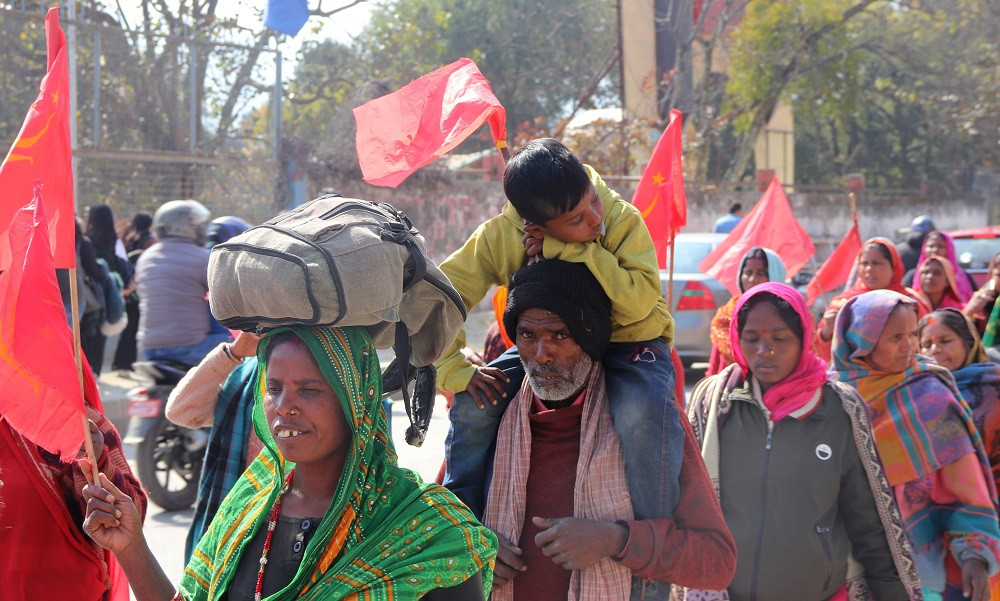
(975, 582)
(112, 519)
(245, 345)
(829, 318)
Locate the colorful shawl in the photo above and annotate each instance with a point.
(963, 288)
(922, 425)
(722, 354)
(914, 415)
(856, 286)
(600, 493)
(804, 383)
(951, 298)
(227, 444)
(712, 400)
(387, 535)
(979, 382)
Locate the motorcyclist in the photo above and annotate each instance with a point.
(224, 228)
(172, 277)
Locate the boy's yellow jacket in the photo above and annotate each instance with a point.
(623, 261)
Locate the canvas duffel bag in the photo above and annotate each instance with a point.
(340, 262)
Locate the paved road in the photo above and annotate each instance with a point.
(166, 530)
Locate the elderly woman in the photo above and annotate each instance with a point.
(950, 339)
(933, 454)
(800, 489)
(759, 265)
(323, 512)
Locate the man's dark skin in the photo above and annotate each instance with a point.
(544, 342)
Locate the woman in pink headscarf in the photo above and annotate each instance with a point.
(941, 244)
(793, 458)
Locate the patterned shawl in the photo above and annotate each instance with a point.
(711, 402)
(600, 492)
(951, 298)
(227, 445)
(386, 534)
(921, 422)
(722, 353)
(790, 395)
(963, 287)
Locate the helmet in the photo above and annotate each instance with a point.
(182, 219)
(922, 224)
(224, 228)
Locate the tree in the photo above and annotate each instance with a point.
(924, 105)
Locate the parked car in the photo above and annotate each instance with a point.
(974, 247)
(696, 296)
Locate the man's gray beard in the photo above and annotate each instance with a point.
(573, 380)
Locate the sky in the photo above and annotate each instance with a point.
(342, 26)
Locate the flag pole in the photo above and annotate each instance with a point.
(670, 278)
(75, 308)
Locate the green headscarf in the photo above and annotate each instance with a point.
(385, 533)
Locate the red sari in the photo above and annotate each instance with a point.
(45, 553)
(822, 347)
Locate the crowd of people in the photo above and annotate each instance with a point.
(852, 457)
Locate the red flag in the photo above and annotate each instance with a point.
(663, 179)
(428, 117)
(837, 267)
(41, 394)
(770, 224)
(42, 152)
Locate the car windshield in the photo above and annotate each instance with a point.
(689, 255)
(974, 253)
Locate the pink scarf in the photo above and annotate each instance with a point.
(799, 387)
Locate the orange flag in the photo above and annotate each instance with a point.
(42, 152)
(836, 269)
(428, 117)
(660, 193)
(770, 224)
(41, 394)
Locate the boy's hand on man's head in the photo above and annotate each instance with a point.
(532, 242)
(486, 386)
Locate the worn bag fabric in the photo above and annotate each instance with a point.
(337, 262)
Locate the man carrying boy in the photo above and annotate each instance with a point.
(561, 209)
(558, 501)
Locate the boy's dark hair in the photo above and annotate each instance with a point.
(736, 207)
(544, 179)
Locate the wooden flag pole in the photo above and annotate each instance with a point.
(670, 278)
(77, 341)
(854, 207)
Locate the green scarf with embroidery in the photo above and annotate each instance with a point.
(386, 535)
(991, 337)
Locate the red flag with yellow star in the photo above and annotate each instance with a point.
(42, 153)
(660, 194)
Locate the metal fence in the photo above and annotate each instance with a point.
(158, 117)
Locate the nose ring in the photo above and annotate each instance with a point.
(292, 412)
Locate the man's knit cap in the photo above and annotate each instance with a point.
(570, 291)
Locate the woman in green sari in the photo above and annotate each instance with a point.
(323, 512)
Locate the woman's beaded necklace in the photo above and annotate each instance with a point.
(272, 523)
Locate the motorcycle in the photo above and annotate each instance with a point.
(168, 457)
